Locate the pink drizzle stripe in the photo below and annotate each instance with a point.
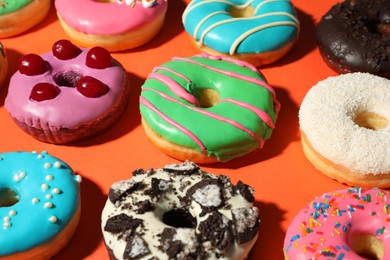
(170, 121)
(212, 115)
(238, 62)
(174, 86)
(231, 74)
(173, 72)
(260, 113)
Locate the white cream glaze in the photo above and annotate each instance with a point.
(327, 113)
(153, 219)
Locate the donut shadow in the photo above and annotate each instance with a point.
(172, 26)
(280, 138)
(88, 234)
(306, 41)
(129, 120)
(270, 232)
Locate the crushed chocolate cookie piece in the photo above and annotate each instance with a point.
(158, 187)
(180, 243)
(245, 191)
(207, 193)
(138, 172)
(246, 223)
(123, 188)
(121, 223)
(186, 168)
(144, 206)
(218, 230)
(136, 248)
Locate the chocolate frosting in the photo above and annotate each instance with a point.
(355, 36)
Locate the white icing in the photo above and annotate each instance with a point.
(326, 117)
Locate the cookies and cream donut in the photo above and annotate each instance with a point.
(179, 212)
(3, 65)
(351, 223)
(67, 94)
(187, 103)
(344, 121)
(114, 25)
(39, 205)
(256, 31)
(353, 36)
(21, 15)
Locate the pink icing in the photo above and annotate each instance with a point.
(70, 108)
(212, 115)
(328, 225)
(174, 123)
(92, 17)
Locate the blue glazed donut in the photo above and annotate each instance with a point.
(257, 31)
(39, 204)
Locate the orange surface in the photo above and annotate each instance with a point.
(283, 179)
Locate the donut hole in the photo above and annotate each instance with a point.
(179, 218)
(367, 246)
(370, 120)
(239, 12)
(207, 97)
(8, 197)
(67, 78)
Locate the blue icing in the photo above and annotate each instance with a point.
(37, 217)
(222, 37)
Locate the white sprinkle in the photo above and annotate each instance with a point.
(53, 219)
(78, 178)
(49, 177)
(40, 156)
(35, 200)
(49, 196)
(48, 205)
(57, 164)
(6, 224)
(12, 212)
(47, 165)
(22, 174)
(44, 186)
(16, 178)
(6, 218)
(56, 191)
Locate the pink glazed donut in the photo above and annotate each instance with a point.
(352, 223)
(114, 25)
(67, 94)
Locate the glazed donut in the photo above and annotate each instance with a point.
(19, 16)
(351, 223)
(67, 94)
(256, 31)
(114, 25)
(39, 205)
(179, 212)
(353, 36)
(344, 121)
(187, 103)
(3, 65)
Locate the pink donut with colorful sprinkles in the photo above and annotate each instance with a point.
(352, 223)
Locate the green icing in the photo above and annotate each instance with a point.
(221, 139)
(10, 6)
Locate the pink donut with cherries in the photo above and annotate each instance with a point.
(351, 223)
(114, 25)
(67, 94)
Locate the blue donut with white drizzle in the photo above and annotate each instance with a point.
(39, 204)
(257, 31)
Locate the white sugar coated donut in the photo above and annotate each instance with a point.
(344, 121)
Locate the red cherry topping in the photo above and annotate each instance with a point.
(98, 58)
(32, 64)
(44, 91)
(91, 87)
(65, 50)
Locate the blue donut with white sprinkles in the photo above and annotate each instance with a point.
(39, 205)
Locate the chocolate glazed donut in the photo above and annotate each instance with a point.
(354, 36)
